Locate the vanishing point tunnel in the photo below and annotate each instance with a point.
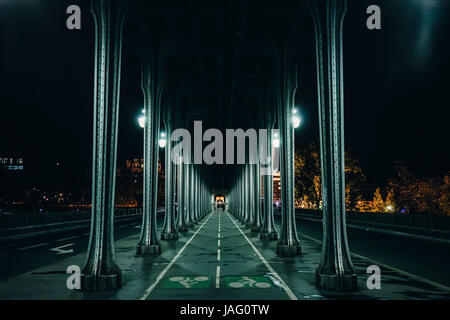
(220, 85)
(223, 74)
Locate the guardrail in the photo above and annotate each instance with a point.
(414, 220)
(36, 219)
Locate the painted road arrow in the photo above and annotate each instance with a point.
(61, 250)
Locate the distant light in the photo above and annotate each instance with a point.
(389, 208)
(163, 134)
(162, 143)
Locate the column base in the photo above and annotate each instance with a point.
(147, 250)
(289, 250)
(183, 229)
(102, 282)
(337, 283)
(169, 236)
(256, 229)
(268, 236)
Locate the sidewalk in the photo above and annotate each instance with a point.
(240, 267)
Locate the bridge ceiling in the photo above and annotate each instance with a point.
(220, 55)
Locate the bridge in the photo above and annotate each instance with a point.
(208, 67)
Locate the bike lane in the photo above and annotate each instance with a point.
(218, 263)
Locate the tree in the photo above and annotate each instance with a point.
(390, 201)
(411, 194)
(354, 177)
(308, 184)
(307, 176)
(444, 198)
(378, 203)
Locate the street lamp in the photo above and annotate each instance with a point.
(162, 140)
(295, 118)
(276, 140)
(141, 119)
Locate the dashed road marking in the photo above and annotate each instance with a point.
(33, 246)
(285, 287)
(163, 273)
(218, 254)
(218, 277)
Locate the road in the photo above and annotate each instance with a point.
(425, 259)
(219, 254)
(29, 254)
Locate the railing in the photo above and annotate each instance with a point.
(410, 220)
(35, 219)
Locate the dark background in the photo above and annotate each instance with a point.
(395, 88)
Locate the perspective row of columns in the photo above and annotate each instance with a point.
(100, 271)
(335, 270)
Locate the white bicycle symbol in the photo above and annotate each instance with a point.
(250, 282)
(188, 281)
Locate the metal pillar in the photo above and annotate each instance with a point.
(192, 195)
(149, 239)
(169, 230)
(100, 271)
(181, 217)
(187, 194)
(288, 245)
(335, 271)
(268, 231)
(256, 225)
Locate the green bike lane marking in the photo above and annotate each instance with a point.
(197, 267)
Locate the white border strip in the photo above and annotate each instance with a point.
(288, 291)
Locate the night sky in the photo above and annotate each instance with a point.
(395, 87)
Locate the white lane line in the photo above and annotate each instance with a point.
(68, 238)
(405, 273)
(288, 290)
(162, 274)
(33, 246)
(218, 277)
(218, 242)
(218, 254)
(218, 235)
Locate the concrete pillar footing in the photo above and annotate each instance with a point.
(169, 236)
(289, 250)
(100, 282)
(346, 282)
(268, 236)
(146, 250)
